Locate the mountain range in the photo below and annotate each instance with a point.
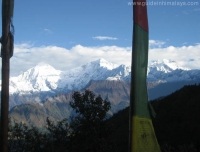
(43, 80)
(45, 88)
(44, 77)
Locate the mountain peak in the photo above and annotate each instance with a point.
(43, 68)
(102, 60)
(105, 64)
(166, 65)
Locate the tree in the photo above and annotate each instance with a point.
(58, 136)
(90, 130)
(22, 138)
(29, 139)
(88, 107)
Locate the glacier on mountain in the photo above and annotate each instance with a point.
(45, 78)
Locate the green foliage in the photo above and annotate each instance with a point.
(58, 136)
(24, 139)
(176, 125)
(89, 107)
(29, 139)
(90, 130)
(87, 131)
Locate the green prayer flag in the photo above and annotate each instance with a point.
(142, 135)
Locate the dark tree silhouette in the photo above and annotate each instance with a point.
(90, 129)
(86, 131)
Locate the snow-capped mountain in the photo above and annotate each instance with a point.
(43, 80)
(44, 77)
(49, 90)
(169, 71)
(96, 70)
(165, 66)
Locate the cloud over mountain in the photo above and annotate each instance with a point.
(27, 55)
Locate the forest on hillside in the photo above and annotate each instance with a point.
(176, 125)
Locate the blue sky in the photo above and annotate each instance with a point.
(69, 33)
(66, 23)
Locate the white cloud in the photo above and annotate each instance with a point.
(27, 56)
(104, 38)
(182, 55)
(156, 43)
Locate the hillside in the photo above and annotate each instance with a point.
(57, 107)
(35, 114)
(177, 121)
(176, 124)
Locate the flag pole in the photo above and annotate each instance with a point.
(7, 40)
(142, 136)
